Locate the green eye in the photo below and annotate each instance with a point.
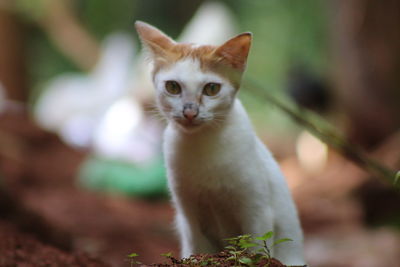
(173, 87)
(211, 89)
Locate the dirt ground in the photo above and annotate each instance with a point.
(46, 219)
(18, 249)
(40, 197)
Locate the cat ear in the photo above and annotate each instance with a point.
(153, 39)
(235, 51)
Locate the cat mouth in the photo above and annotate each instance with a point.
(186, 123)
(189, 123)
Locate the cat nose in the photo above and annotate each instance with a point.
(190, 111)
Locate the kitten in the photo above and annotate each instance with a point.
(223, 180)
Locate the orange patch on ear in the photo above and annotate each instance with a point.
(154, 39)
(228, 60)
(235, 51)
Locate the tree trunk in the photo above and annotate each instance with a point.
(366, 46)
(12, 57)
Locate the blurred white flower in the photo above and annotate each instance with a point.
(74, 104)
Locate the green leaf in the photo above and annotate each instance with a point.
(266, 236)
(396, 178)
(167, 255)
(246, 244)
(281, 241)
(257, 258)
(230, 239)
(133, 255)
(246, 260)
(33, 9)
(204, 263)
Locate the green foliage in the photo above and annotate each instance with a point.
(239, 249)
(102, 17)
(397, 178)
(133, 255)
(246, 261)
(266, 236)
(167, 255)
(132, 259)
(45, 62)
(286, 32)
(32, 10)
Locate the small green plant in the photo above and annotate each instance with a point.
(132, 259)
(239, 249)
(167, 255)
(266, 250)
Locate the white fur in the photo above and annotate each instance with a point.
(192, 80)
(223, 180)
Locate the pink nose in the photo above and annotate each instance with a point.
(190, 114)
(190, 111)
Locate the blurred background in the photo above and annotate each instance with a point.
(81, 173)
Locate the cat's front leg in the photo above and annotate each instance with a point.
(192, 240)
(183, 230)
(258, 222)
(290, 253)
(267, 219)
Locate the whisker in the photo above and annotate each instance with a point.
(156, 114)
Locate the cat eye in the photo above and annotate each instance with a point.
(173, 87)
(211, 89)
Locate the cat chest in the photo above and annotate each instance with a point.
(203, 166)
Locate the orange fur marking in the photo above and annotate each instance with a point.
(228, 60)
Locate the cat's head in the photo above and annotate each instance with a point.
(195, 85)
